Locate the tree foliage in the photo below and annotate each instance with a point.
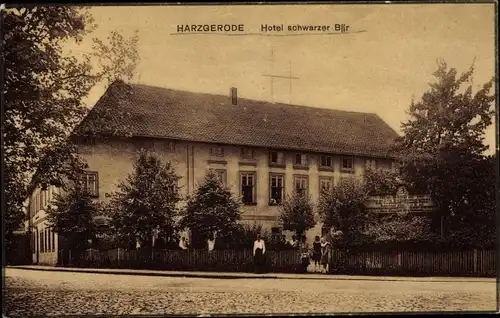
(449, 115)
(443, 138)
(442, 149)
(212, 208)
(382, 181)
(297, 213)
(146, 201)
(44, 89)
(72, 214)
(342, 207)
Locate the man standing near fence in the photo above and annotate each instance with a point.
(259, 250)
(211, 241)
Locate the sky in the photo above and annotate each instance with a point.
(387, 58)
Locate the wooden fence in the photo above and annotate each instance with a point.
(453, 263)
(460, 263)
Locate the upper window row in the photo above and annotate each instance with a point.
(277, 158)
(301, 160)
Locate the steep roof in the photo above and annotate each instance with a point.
(166, 113)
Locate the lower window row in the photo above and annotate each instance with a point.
(248, 185)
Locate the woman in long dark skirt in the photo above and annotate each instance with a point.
(259, 249)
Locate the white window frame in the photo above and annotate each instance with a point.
(342, 163)
(222, 175)
(302, 178)
(253, 174)
(304, 160)
(278, 153)
(326, 159)
(325, 179)
(94, 191)
(282, 177)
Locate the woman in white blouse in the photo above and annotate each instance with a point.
(259, 249)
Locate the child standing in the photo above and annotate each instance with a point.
(317, 254)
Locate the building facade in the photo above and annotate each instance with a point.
(45, 244)
(262, 151)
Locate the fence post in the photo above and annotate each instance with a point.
(69, 257)
(399, 259)
(475, 260)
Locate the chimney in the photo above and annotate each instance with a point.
(234, 95)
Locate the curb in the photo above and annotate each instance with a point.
(254, 276)
(143, 273)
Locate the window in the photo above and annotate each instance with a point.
(300, 184)
(45, 241)
(347, 163)
(222, 175)
(41, 242)
(169, 146)
(276, 188)
(247, 153)
(371, 164)
(325, 183)
(44, 199)
(49, 237)
(300, 160)
(173, 187)
(90, 183)
(33, 241)
(148, 145)
(326, 161)
(276, 158)
(35, 202)
(385, 165)
(248, 187)
(217, 152)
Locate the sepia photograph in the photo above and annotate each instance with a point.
(249, 159)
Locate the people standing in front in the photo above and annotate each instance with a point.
(325, 254)
(259, 250)
(305, 254)
(211, 241)
(316, 254)
(183, 244)
(293, 242)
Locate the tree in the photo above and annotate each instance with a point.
(71, 215)
(382, 181)
(146, 201)
(44, 92)
(342, 207)
(297, 213)
(442, 147)
(213, 208)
